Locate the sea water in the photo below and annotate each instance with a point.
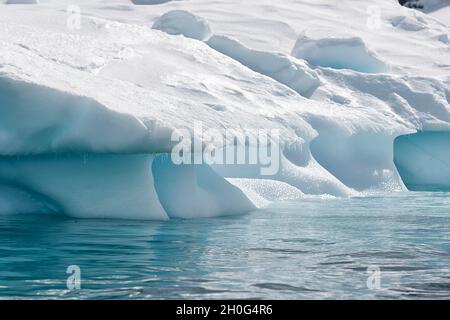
(384, 246)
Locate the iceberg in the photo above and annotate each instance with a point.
(423, 160)
(88, 115)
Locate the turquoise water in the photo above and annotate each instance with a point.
(312, 248)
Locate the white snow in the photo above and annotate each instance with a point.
(339, 53)
(183, 22)
(281, 67)
(415, 23)
(442, 12)
(262, 192)
(86, 114)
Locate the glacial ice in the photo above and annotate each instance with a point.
(339, 53)
(190, 191)
(89, 185)
(86, 116)
(135, 186)
(423, 160)
(263, 191)
(283, 68)
(409, 23)
(183, 22)
(17, 199)
(37, 119)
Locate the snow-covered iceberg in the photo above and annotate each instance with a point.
(88, 110)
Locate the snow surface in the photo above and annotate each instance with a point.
(86, 114)
(183, 22)
(339, 53)
(281, 67)
(443, 13)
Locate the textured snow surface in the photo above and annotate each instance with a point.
(336, 53)
(443, 12)
(88, 102)
(185, 23)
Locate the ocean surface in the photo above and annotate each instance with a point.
(386, 246)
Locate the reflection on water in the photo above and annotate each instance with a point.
(313, 248)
